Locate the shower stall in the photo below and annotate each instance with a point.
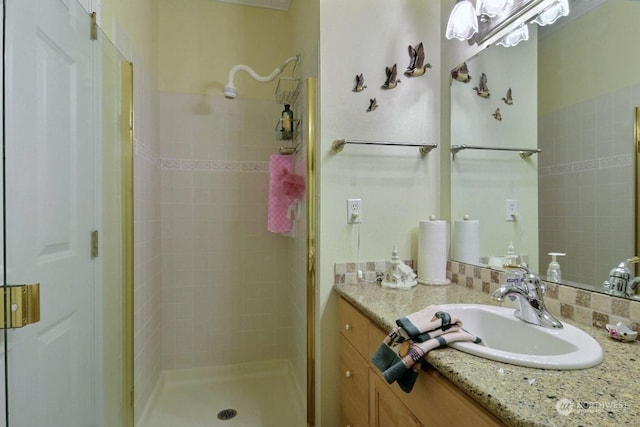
(66, 219)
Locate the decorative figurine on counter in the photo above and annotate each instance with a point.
(461, 73)
(482, 90)
(359, 83)
(497, 115)
(509, 99)
(416, 66)
(398, 275)
(621, 332)
(392, 74)
(373, 104)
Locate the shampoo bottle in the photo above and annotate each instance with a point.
(553, 271)
(287, 122)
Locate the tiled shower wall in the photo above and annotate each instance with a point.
(586, 185)
(226, 280)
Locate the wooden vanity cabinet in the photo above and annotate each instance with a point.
(434, 400)
(385, 408)
(354, 366)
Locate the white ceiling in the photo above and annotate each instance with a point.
(269, 4)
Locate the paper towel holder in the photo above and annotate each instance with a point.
(426, 278)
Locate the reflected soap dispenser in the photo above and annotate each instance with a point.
(553, 271)
(512, 256)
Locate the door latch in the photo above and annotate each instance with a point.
(20, 305)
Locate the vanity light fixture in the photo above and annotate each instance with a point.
(516, 36)
(463, 22)
(491, 19)
(551, 14)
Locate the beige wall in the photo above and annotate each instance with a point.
(139, 19)
(202, 40)
(398, 188)
(567, 63)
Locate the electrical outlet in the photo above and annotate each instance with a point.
(512, 210)
(354, 211)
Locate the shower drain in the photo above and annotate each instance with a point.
(227, 414)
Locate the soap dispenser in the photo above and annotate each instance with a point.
(553, 271)
(512, 256)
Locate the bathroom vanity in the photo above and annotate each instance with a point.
(454, 387)
(368, 400)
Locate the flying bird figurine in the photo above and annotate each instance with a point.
(461, 73)
(482, 90)
(508, 99)
(497, 115)
(392, 80)
(373, 104)
(416, 67)
(359, 83)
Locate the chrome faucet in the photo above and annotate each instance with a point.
(522, 285)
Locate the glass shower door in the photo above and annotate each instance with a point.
(51, 365)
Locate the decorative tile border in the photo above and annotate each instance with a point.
(214, 165)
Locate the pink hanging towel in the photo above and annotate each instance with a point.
(279, 202)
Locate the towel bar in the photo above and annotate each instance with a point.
(339, 144)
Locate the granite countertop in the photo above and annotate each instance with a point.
(605, 395)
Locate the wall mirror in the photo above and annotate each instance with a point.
(575, 87)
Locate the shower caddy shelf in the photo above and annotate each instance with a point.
(287, 136)
(287, 92)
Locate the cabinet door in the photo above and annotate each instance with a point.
(354, 387)
(354, 326)
(385, 408)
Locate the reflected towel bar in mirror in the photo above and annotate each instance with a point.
(524, 152)
(339, 144)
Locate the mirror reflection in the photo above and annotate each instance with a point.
(574, 85)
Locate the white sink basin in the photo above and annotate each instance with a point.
(511, 340)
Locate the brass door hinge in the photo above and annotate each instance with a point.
(93, 30)
(94, 244)
(20, 305)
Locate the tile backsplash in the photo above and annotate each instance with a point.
(582, 306)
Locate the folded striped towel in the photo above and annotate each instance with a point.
(422, 331)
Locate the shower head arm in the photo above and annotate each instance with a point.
(256, 76)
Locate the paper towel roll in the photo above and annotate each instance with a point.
(433, 248)
(466, 241)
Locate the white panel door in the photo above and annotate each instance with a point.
(49, 145)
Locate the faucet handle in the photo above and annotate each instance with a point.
(632, 287)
